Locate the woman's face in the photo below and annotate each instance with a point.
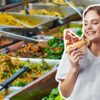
(92, 26)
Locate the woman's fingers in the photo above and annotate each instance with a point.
(75, 56)
(76, 59)
(76, 53)
(71, 50)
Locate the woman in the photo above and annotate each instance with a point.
(79, 74)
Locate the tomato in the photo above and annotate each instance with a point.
(75, 39)
(67, 37)
(69, 42)
(72, 34)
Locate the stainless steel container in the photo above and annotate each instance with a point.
(67, 12)
(8, 91)
(85, 3)
(38, 88)
(6, 40)
(35, 20)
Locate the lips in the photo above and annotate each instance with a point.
(91, 32)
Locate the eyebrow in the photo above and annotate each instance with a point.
(92, 20)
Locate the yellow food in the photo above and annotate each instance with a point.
(1, 98)
(27, 22)
(75, 25)
(44, 12)
(6, 19)
(59, 2)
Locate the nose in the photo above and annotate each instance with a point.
(89, 26)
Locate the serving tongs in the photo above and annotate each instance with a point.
(26, 7)
(18, 37)
(11, 79)
(78, 10)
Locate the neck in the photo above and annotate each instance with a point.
(95, 48)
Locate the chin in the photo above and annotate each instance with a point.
(94, 39)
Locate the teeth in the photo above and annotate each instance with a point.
(90, 33)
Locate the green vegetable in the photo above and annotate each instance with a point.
(36, 70)
(54, 49)
(62, 28)
(45, 65)
(4, 75)
(79, 32)
(54, 95)
(19, 83)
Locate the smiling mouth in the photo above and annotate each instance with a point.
(91, 33)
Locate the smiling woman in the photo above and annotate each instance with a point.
(78, 73)
(92, 23)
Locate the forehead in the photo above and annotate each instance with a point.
(90, 15)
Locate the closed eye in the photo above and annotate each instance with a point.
(95, 23)
(85, 24)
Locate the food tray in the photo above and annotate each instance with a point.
(41, 86)
(6, 40)
(40, 48)
(37, 89)
(35, 50)
(8, 91)
(30, 21)
(68, 13)
(34, 31)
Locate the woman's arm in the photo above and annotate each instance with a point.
(66, 86)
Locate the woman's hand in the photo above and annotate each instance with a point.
(75, 55)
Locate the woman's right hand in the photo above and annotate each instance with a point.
(75, 55)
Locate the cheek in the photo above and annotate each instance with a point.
(86, 35)
(97, 28)
(85, 28)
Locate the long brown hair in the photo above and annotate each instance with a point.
(95, 8)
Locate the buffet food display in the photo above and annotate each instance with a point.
(4, 41)
(9, 66)
(62, 13)
(6, 19)
(41, 57)
(16, 20)
(52, 49)
(44, 12)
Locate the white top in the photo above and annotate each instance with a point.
(87, 86)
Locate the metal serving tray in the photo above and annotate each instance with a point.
(36, 20)
(17, 36)
(39, 87)
(85, 3)
(7, 40)
(8, 91)
(63, 10)
(67, 12)
(30, 32)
